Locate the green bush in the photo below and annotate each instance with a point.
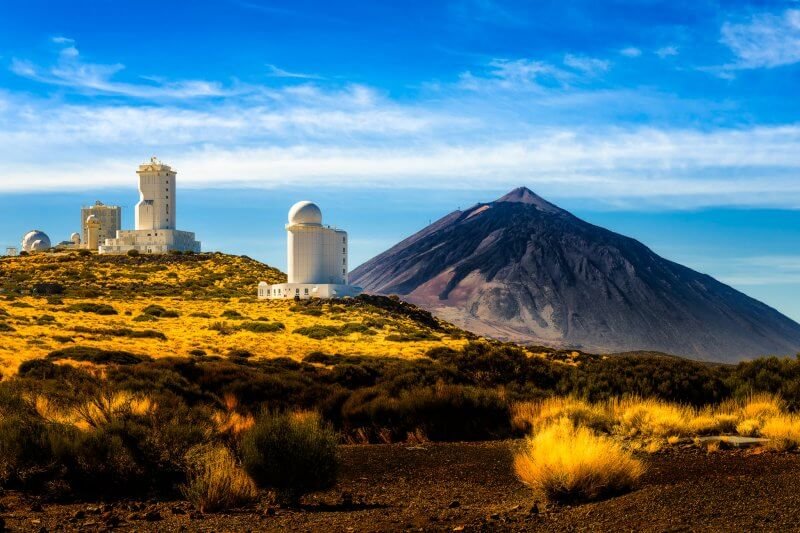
(91, 307)
(5, 328)
(97, 356)
(232, 314)
(262, 327)
(159, 312)
(133, 253)
(290, 453)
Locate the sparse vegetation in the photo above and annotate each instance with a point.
(290, 453)
(91, 307)
(570, 464)
(216, 482)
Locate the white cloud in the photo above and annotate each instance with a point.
(667, 51)
(763, 270)
(281, 73)
(765, 40)
(588, 65)
(533, 74)
(70, 71)
(314, 134)
(631, 51)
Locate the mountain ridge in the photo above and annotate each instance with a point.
(522, 269)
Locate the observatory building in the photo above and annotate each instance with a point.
(317, 259)
(109, 217)
(155, 231)
(35, 241)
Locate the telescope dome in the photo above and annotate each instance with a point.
(305, 212)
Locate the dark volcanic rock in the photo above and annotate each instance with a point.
(522, 269)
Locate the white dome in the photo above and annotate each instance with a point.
(305, 212)
(75, 238)
(92, 220)
(40, 245)
(33, 236)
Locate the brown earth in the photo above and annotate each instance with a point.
(470, 487)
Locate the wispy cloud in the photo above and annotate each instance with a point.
(587, 65)
(70, 70)
(667, 51)
(765, 40)
(491, 128)
(631, 51)
(763, 270)
(281, 73)
(527, 74)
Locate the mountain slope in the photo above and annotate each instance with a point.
(522, 269)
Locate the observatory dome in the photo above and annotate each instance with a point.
(35, 236)
(40, 245)
(305, 212)
(92, 220)
(75, 238)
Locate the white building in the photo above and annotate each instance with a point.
(35, 241)
(317, 259)
(155, 231)
(109, 216)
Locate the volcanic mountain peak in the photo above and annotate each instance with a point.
(522, 269)
(524, 195)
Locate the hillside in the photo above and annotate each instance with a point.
(522, 269)
(191, 305)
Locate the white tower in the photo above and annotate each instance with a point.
(316, 254)
(92, 232)
(156, 207)
(317, 259)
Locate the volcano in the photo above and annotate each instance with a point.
(522, 269)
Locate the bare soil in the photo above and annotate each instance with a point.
(471, 487)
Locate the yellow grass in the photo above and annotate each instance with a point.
(567, 463)
(199, 290)
(216, 481)
(531, 416)
(649, 424)
(783, 432)
(33, 339)
(105, 408)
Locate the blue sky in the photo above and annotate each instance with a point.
(674, 122)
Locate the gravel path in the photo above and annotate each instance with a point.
(470, 487)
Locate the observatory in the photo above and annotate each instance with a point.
(35, 241)
(155, 231)
(110, 218)
(317, 259)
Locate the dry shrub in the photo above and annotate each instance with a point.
(290, 453)
(783, 432)
(763, 406)
(216, 482)
(652, 418)
(108, 407)
(531, 416)
(229, 421)
(573, 464)
(749, 427)
(726, 422)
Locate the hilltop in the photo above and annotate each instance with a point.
(82, 275)
(521, 269)
(199, 305)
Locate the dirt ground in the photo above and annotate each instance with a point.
(470, 487)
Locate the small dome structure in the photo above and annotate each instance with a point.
(305, 212)
(75, 238)
(40, 245)
(32, 237)
(92, 220)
